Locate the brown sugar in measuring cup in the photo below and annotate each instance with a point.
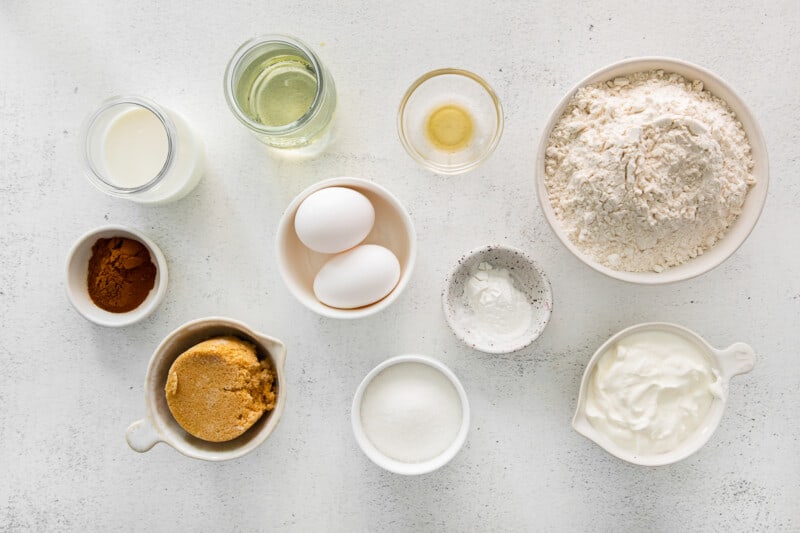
(217, 389)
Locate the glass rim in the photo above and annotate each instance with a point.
(103, 181)
(235, 64)
(432, 165)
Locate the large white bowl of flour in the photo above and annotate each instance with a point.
(685, 145)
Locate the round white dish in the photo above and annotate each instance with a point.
(736, 359)
(754, 204)
(393, 465)
(159, 425)
(528, 277)
(78, 269)
(393, 229)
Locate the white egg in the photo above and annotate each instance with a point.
(334, 219)
(358, 277)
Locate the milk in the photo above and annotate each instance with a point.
(140, 151)
(135, 147)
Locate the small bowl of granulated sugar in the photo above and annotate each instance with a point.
(652, 170)
(497, 299)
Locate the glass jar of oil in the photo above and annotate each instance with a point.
(277, 87)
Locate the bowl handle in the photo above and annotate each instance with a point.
(141, 435)
(277, 349)
(738, 358)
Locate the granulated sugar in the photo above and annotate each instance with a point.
(411, 412)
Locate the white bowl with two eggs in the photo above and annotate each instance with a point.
(390, 233)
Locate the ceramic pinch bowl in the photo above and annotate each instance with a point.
(528, 278)
(159, 425)
(738, 358)
(78, 269)
(392, 229)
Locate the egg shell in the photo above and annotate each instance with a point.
(358, 277)
(334, 219)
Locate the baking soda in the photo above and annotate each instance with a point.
(492, 306)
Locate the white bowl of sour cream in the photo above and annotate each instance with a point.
(654, 393)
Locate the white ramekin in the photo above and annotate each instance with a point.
(393, 465)
(78, 269)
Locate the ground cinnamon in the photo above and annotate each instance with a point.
(121, 274)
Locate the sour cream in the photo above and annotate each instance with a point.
(650, 391)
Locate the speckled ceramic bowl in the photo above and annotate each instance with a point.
(528, 278)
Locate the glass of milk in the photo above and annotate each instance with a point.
(135, 149)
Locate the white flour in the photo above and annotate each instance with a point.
(647, 171)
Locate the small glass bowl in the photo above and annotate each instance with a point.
(449, 86)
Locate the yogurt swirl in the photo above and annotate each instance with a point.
(651, 390)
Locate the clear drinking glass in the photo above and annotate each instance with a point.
(277, 87)
(135, 149)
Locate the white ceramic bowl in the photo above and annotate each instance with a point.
(753, 205)
(393, 229)
(736, 359)
(393, 465)
(529, 278)
(442, 87)
(160, 426)
(77, 272)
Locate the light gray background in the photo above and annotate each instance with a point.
(68, 389)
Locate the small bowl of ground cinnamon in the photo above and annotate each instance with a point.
(116, 276)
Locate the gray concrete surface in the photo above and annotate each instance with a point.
(68, 389)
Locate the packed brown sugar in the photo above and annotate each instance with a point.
(217, 389)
